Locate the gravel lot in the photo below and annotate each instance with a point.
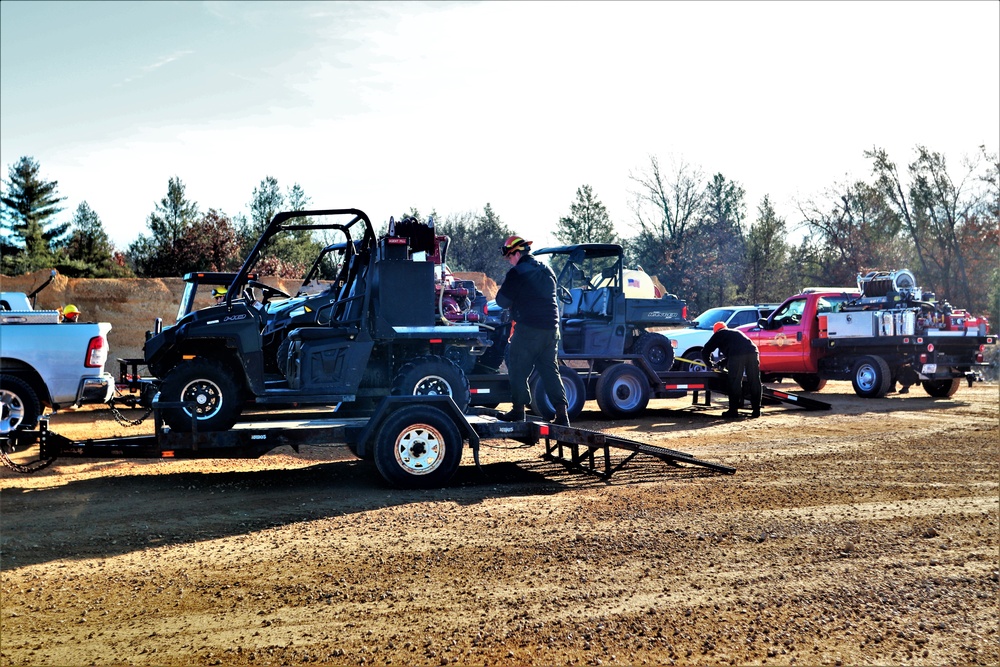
(868, 534)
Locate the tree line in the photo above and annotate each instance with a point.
(692, 231)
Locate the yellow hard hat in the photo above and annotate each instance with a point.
(219, 291)
(71, 310)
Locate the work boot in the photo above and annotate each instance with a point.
(755, 414)
(562, 416)
(516, 414)
(731, 414)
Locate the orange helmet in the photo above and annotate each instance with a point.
(718, 325)
(513, 244)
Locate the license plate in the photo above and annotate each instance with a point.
(929, 369)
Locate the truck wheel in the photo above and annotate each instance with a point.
(213, 390)
(871, 377)
(656, 349)
(418, 447)
(941, 388)
(576, 394)
(694, 354)
(433, 376)
(809, 382)
(19, 405)
(622, 391)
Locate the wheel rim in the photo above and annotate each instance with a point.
(11, 411)
(866, 377)
(432, 385)
(419, 449)
(627, 391)
(206, 395)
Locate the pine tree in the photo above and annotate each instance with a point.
(90, 246)
(587, 222)
(30, 235)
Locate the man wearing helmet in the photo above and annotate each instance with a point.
(220, 294)
(741, 356)
(70, 313)
(529, 291)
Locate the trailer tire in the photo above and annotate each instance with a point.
(809, 381)
(576, 394)
(418, 447)
(871, 377)
(941, 388)
(433, 375)
(211, 386)
(656, 350)
(19, 405)
(622, 391)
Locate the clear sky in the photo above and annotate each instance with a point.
(385, 106)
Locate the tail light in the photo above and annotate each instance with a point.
(930, 347)
(97, 353)
(923, 358)
(684, 313)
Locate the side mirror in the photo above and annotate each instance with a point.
(762, 323)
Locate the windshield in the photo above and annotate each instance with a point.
(708, 319)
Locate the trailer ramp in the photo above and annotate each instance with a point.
(585, 450)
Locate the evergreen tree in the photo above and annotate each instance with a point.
(90, 245)
(30, 235)
(767, 257)
(161, 253)
(587, 222)
(475, 242)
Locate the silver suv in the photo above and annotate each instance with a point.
(687, 343)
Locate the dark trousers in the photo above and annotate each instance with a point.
(536, 349)
(735, 368)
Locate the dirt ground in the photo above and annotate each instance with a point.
(868, 534)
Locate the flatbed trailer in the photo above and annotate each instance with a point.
(414, 441)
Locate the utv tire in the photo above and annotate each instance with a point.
(418, 447)
(656, 349)
(281, 357)
(19, 405)
(576, 395)
(211, 387)
(871, 377)
(941, 388)
(809, 381)
(432, 375)
(622, 391)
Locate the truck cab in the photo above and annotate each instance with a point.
(784, 339)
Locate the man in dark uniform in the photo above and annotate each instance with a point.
(529, 291)
(741, 356)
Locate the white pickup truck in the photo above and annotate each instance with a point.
(46, 363)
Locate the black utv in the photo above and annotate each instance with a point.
(380, 335)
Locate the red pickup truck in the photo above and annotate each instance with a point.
(842, 334)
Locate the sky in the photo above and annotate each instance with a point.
(448, 106)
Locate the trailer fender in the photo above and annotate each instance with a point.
(390, 404)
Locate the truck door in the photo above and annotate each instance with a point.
(784, 344)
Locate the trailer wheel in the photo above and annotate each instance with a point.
(809, 381)
(656, 349)
(211, 387)
(418, 446)
(19, 405)
(622, 391)
(433, 375)
(871, 377)
(576, 394)
(941, 388)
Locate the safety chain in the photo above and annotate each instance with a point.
(34, 466)
(120, 417)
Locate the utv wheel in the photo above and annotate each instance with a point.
(281, 357)
(809, 382)
(433, 376)
(656, 349)
(622, 391)
(19, 405)
(871, 377)
(418, 446)
(576, 394)
(212, 389)
(941, 388)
